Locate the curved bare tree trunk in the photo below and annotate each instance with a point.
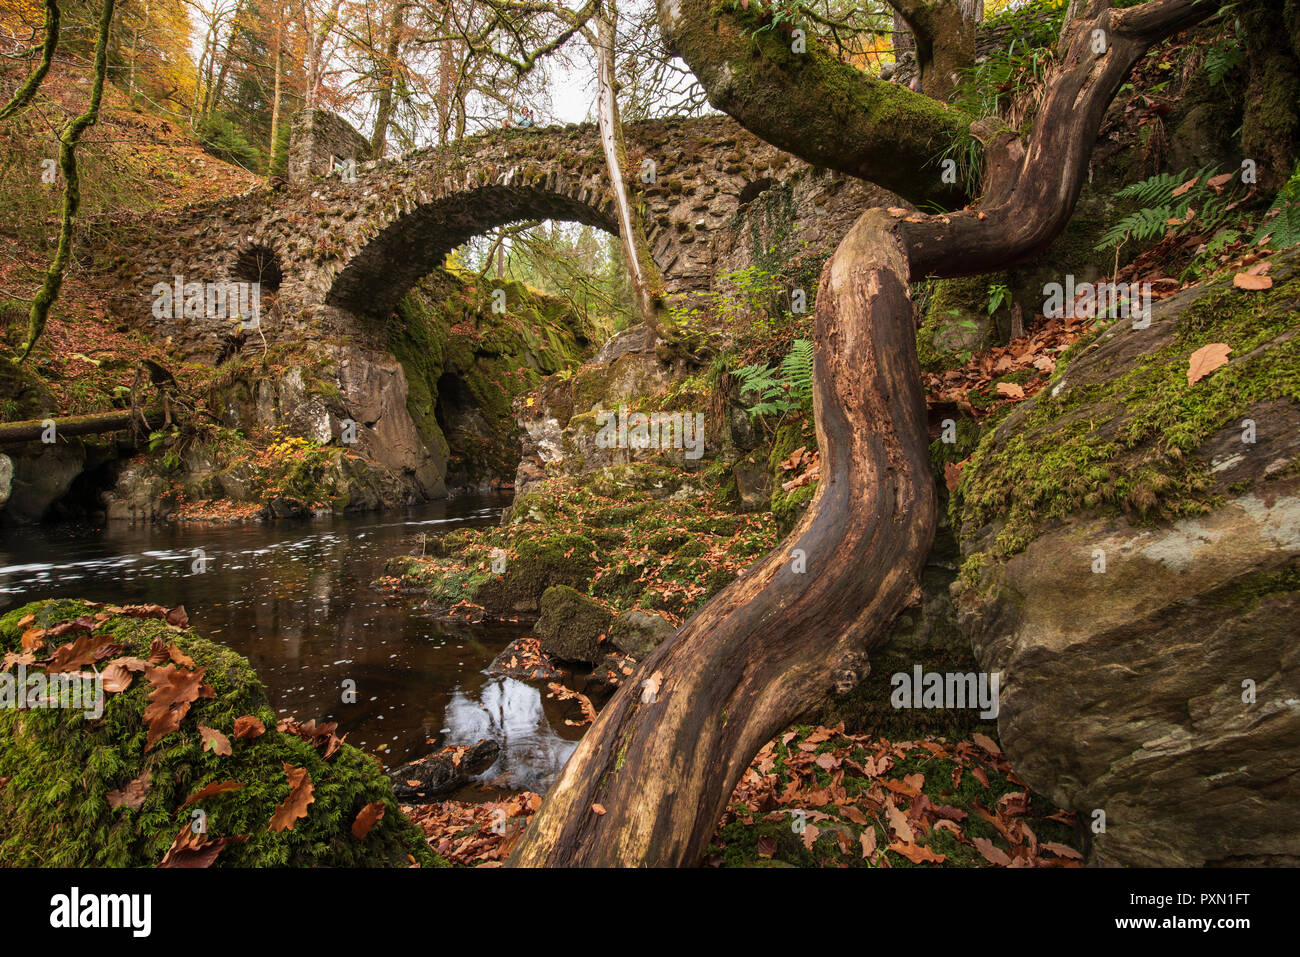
(648, 782)
(774, 643)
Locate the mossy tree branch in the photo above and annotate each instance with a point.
(69, 136)
(829, 113)
(25, 93)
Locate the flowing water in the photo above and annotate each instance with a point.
(295, 598)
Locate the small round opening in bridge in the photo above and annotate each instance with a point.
(259, 264)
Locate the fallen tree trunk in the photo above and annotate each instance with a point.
(662, 759)
(32, 429)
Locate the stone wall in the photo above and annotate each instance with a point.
(318, 140)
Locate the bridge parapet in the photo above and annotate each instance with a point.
(320, 142)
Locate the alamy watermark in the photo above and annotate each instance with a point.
(949, 690)
(38, 691)
(651, 430)
(208, 300)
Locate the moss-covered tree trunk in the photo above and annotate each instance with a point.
(69, 136)
(27, 89)
(1270, 131)
(647, 284)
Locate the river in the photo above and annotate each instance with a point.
(295, 597)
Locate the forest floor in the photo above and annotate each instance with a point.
(132, 160)
(817, 797)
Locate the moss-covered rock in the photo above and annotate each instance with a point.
(534, 566)
(466, 363)
(572, 625)
(59, 768)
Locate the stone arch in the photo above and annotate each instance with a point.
(410, 246)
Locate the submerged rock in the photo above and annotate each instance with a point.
(424, 779)
(524, 660)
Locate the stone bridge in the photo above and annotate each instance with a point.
(336, 248)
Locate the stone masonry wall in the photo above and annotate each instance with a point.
(317, 139)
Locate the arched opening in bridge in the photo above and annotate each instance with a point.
(504, 311)
(259, 264)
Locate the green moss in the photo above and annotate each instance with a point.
(1125, 441)
(54, 810)
(535, 565)
(446, 331)
(788, 507)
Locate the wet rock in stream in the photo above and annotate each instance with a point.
(425, 779)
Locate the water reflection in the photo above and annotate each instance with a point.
(513, 714)
(294, 597)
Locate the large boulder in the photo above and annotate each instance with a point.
(1133, 572)
(572, 625)
(536, 565)
(86, 789)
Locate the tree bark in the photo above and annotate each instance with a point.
(647, 285)
(67, 426)
(277, 89)
(773, 644)
(27, 90)
(69, 136)
(944, 36)
(827, 113)
(387, 83)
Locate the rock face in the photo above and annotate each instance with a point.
(349, 400)
(1151, 667)
(40, 478)
(1124, 690)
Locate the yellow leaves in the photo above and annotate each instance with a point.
(1205, 360)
